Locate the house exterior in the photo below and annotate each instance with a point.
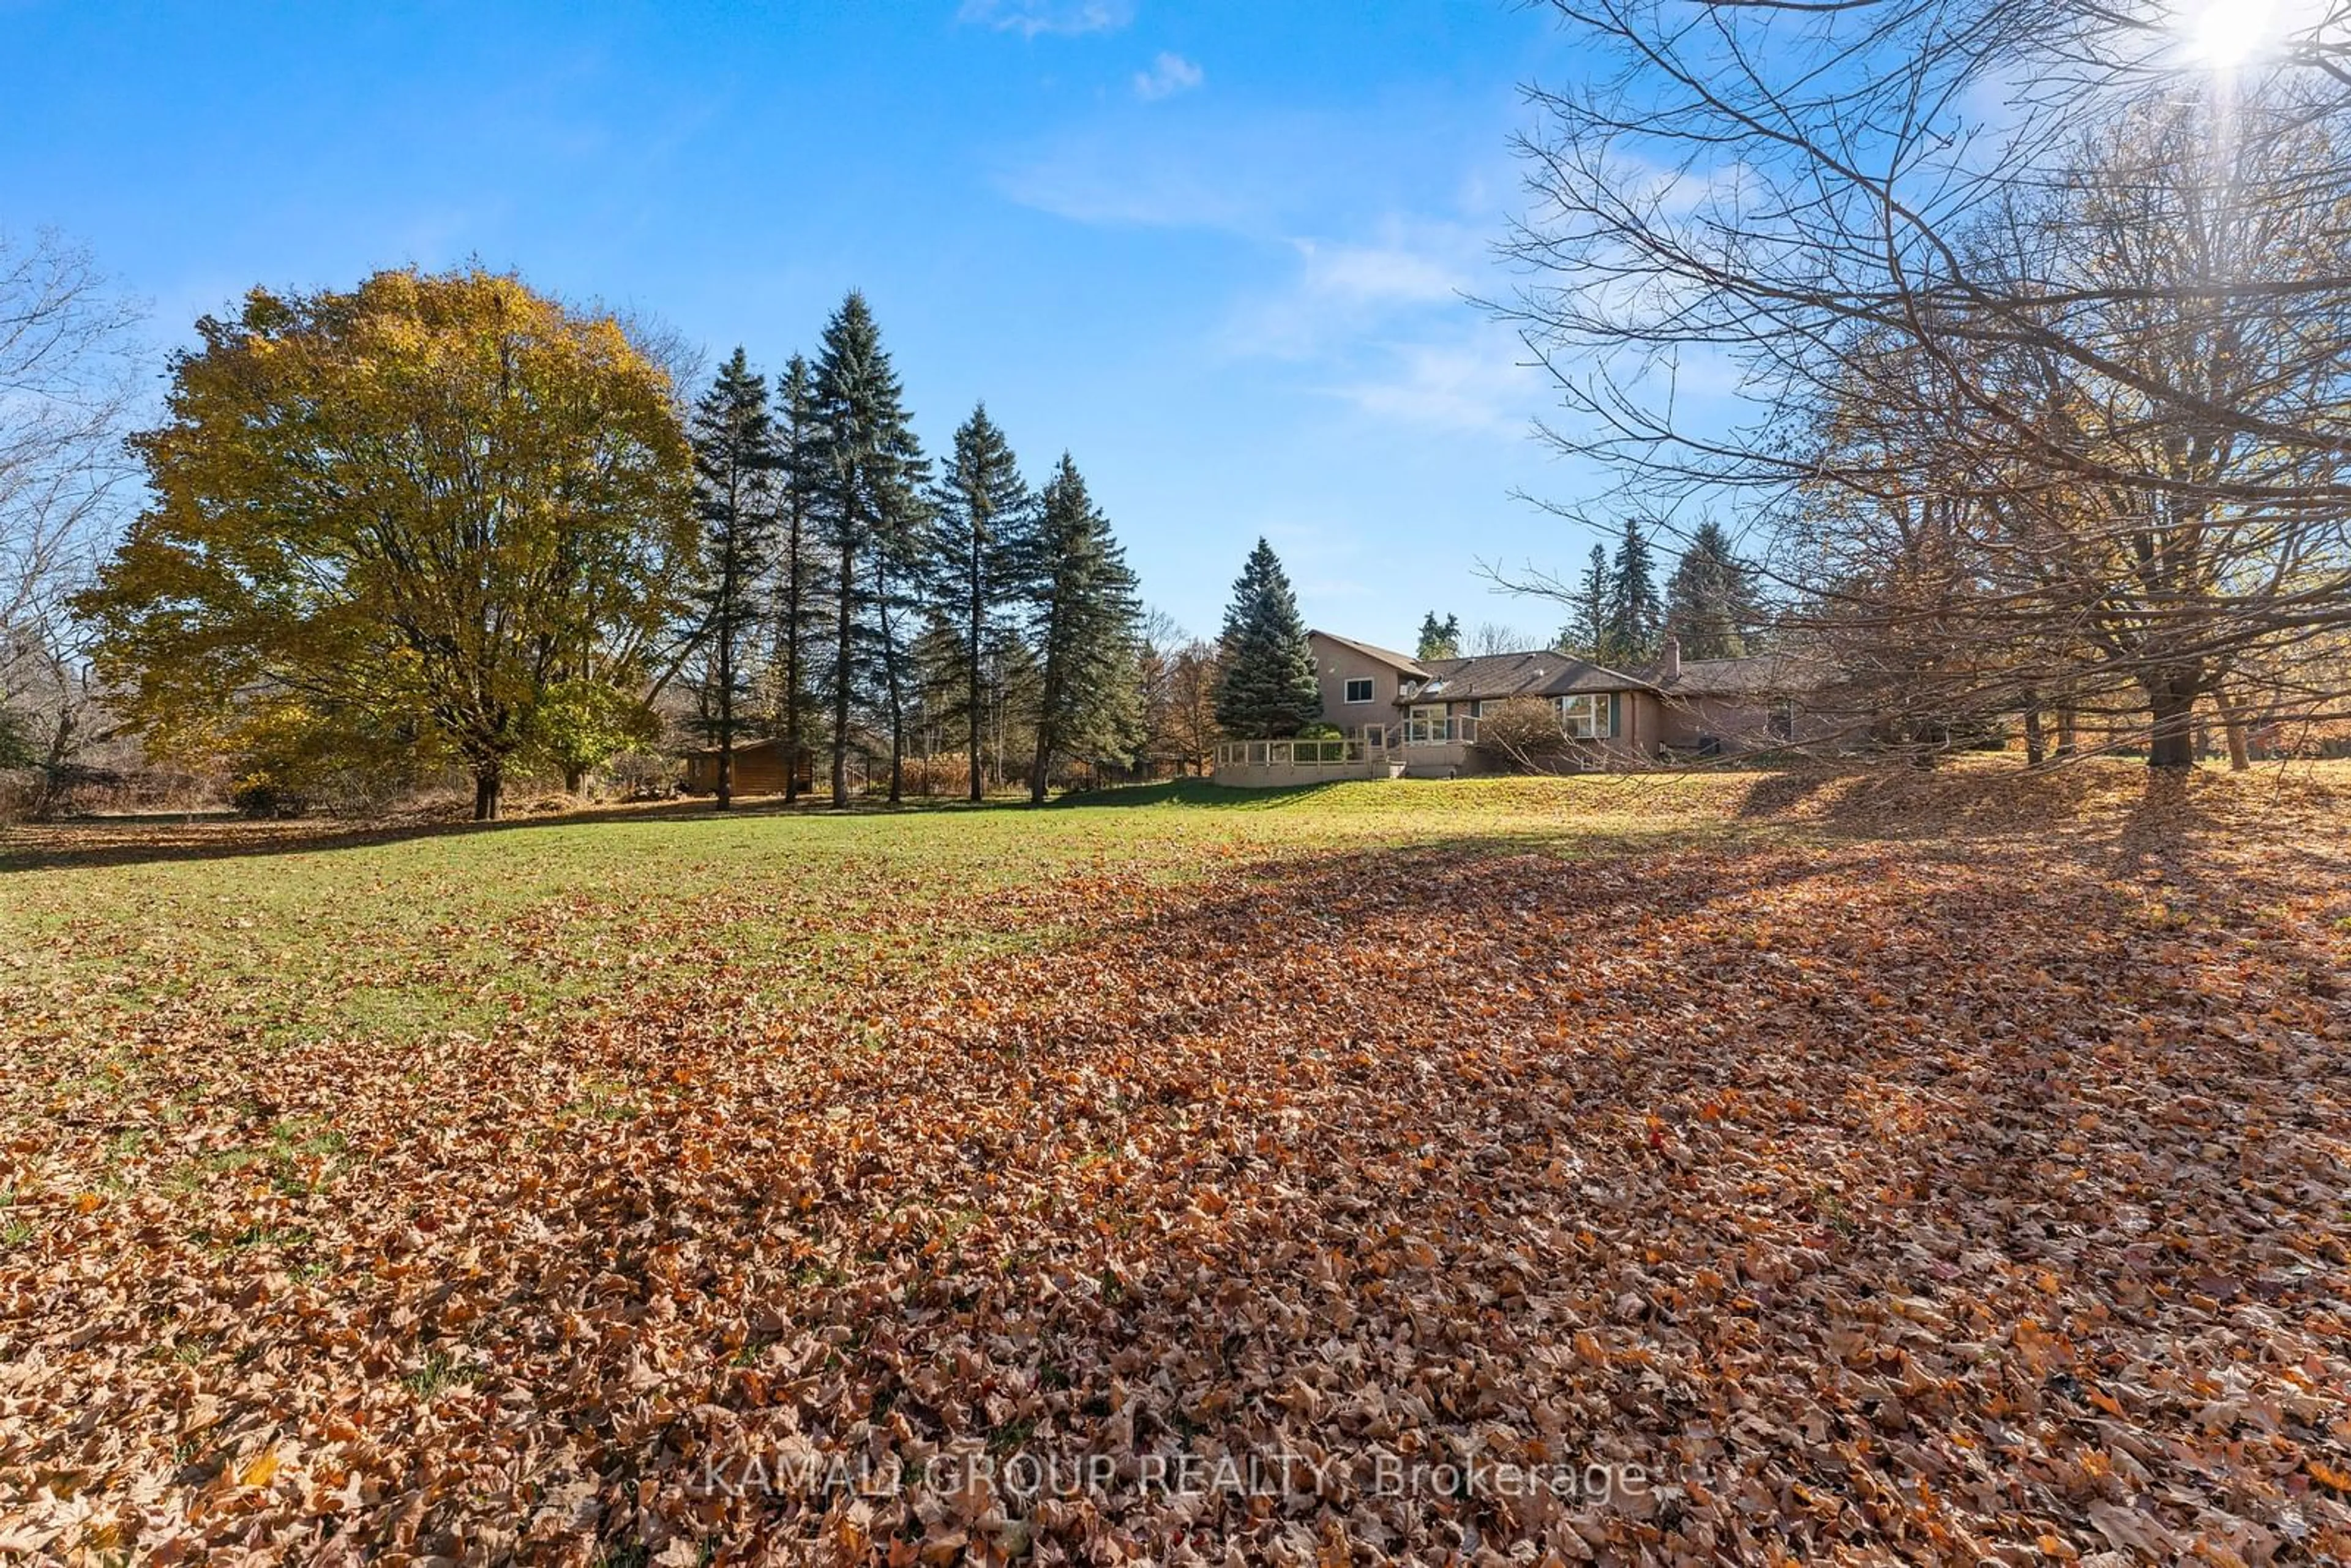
(1427, 710)
(1723, 707)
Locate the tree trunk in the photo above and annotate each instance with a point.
(725, 720)
(972, 716)
(897, 720)
(574, 776)
(2066, 745)
(1048, 708)
(489, 783)
(2174, 712)
(2232, 725)
(792, 669)
(840, 677)
(2036, 745)
(53, 789)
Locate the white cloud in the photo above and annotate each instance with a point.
(1030, 17)
(1169, 74)
(1150, 191)
(1238, 175)
(1471, 383)
(1376, 274)
(1342, 291)
(1381, 322)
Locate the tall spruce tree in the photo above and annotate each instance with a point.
(1588, 633)
(735, 460)
(801, 600)
(1086, 622)
(1439, 639)
(983, 513)
(1268, 688)
(1710, 603)
(1630, 633)
(864, 470)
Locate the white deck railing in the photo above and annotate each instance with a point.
(1306, 754)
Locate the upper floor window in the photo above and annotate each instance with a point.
(1359, 691)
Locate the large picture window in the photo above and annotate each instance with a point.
(1359, 691)
(1427, 726)
(1586, 716)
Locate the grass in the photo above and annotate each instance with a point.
(167, 965)
(619, 1116)
(468, 930)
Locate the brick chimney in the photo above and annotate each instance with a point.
(1671, 664)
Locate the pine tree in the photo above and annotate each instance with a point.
(1086, 622)
(1711, 605)
(1439, 639)
(1587, 633)
(801, 600)
(983, 512)
(865, 469)
(736, 461)
(1630, 631)
(1268, 688)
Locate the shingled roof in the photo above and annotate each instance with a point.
(1757, 676)
(1547, 673)
(1409, 665)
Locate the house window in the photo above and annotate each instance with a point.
(1359, 691)
(1587, 715)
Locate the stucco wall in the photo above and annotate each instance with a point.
(1334, 666)
(1740, 724)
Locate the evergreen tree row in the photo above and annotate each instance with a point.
(1709, 604)
(851, 598)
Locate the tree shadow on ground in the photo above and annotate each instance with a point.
(1200, 792)
(1874, 1153)
(156, 837)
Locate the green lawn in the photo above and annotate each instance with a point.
(461, 928)
(1886, 1166)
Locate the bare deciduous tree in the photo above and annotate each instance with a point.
(1488, 638)
(2021, 327)
(65, 383)
(1179, 673)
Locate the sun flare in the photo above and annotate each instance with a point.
(2227, 33)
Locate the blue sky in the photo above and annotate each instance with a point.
(1214, 249)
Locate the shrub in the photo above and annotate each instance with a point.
(1523, 734)
(262, 794)
(642, 775)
